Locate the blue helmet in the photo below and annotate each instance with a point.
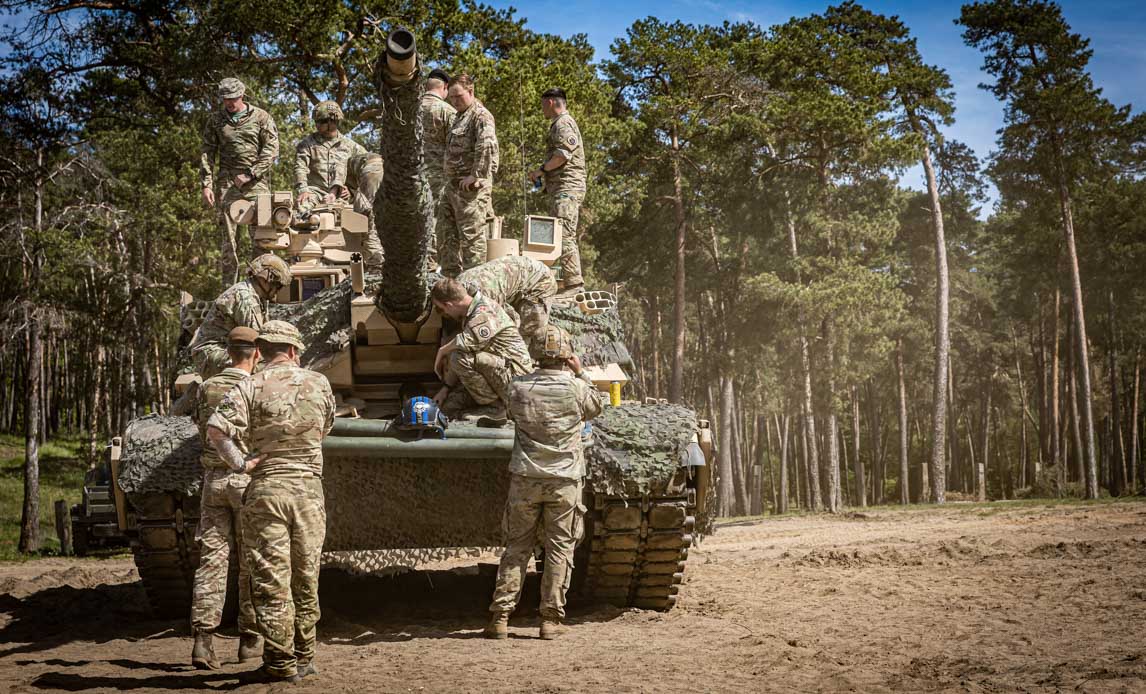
(421, 414)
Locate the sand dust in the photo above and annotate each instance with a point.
(1034, 598)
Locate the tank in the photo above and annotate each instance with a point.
(395, 502)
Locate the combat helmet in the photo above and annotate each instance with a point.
(555, 346)
(327, 110)
(280, 332)
(231, 88)
(271, 268)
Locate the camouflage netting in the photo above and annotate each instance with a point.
(160, 455)
(637, 449)
(405, 205)
(597, 339)
(323, 319)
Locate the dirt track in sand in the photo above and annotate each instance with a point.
(970, 599)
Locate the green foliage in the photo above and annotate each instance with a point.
(61, 477)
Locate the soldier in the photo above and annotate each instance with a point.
(244, 140)
(548, 408)
(483, 357)
(564, 174)
(283, 413)
(437, 117)
(364, 178)
(470, 164)
(523, 285)
(239, 305)
(321, 157)
(220, 532)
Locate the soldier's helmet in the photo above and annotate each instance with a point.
(231, 88)
(282, 333)
(271, 268)
(327, 110)
(556, 346)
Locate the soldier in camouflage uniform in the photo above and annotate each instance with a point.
(282, 413)
(364, 178)
(244, 140)
(549, 408)
(437, 117)
(470, 164)
(515, 282)
(320, 163)
(483, 357)
(219, 533)
(564, 175)
(239, 305)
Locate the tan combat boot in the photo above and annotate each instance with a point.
(498, 627)
(203, 652)
(551, 628)
(250, 647)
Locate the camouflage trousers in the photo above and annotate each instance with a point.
(464, 222)
(229, 242)
(437, 183)
(567, 208)
(219, 537)
(484, 375)
(550, 508)
(372, 254)
(284, 526)
(210, 358)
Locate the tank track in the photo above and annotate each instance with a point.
(638, 549)
(165, 550)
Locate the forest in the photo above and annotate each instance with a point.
(855, 337)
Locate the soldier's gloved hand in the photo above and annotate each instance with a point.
(535, 176)
(328, 198)
(304, 197)
(209, 197)
(242, 180)
(252, 463)
(470, 183)
(343, 192)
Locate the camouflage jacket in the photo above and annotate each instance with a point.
(320, 164)
(283, 413)
(565, 139)
(211, 393)
(548, 408)
(510, 280)
(472, 145)
(248, 145)
(238, 305)
(437, 117)
(487, 328)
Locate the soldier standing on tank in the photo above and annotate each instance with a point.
(364, 178)
(518, 283)
(470, 164)
(549, 408)
(282, 413)
(437, 117)
(564, 174)
(483, 357)
(320, 163)
(220, 531)
(244, 141)
(241, 304)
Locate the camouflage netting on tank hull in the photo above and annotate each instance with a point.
(638, 449)
(597, 339)
(161, 455)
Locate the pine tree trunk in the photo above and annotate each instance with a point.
(904, 485)
(1081, 347)
(938, 470)
(762, 421)
(833, 433)
(861, 481)
(985, 449)
(1135, 463)
(1056, 449)
(1117, 461)
(1075, 426)
(726, 489)
(782, 432)
(30, 516)
(676, 378)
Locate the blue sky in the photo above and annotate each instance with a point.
(1116, 29)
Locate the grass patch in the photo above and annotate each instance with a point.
(62, 469)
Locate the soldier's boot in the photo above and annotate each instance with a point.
(250, 647)
(307, 669)
(551, 628)
(203, 652)
(265, 676)
(498, 627)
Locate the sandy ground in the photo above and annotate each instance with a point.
(1002, 599)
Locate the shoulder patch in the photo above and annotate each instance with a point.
(484, 332)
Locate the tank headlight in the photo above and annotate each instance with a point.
(281, 216)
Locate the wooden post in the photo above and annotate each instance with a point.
(64, 527)
(120, 497)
